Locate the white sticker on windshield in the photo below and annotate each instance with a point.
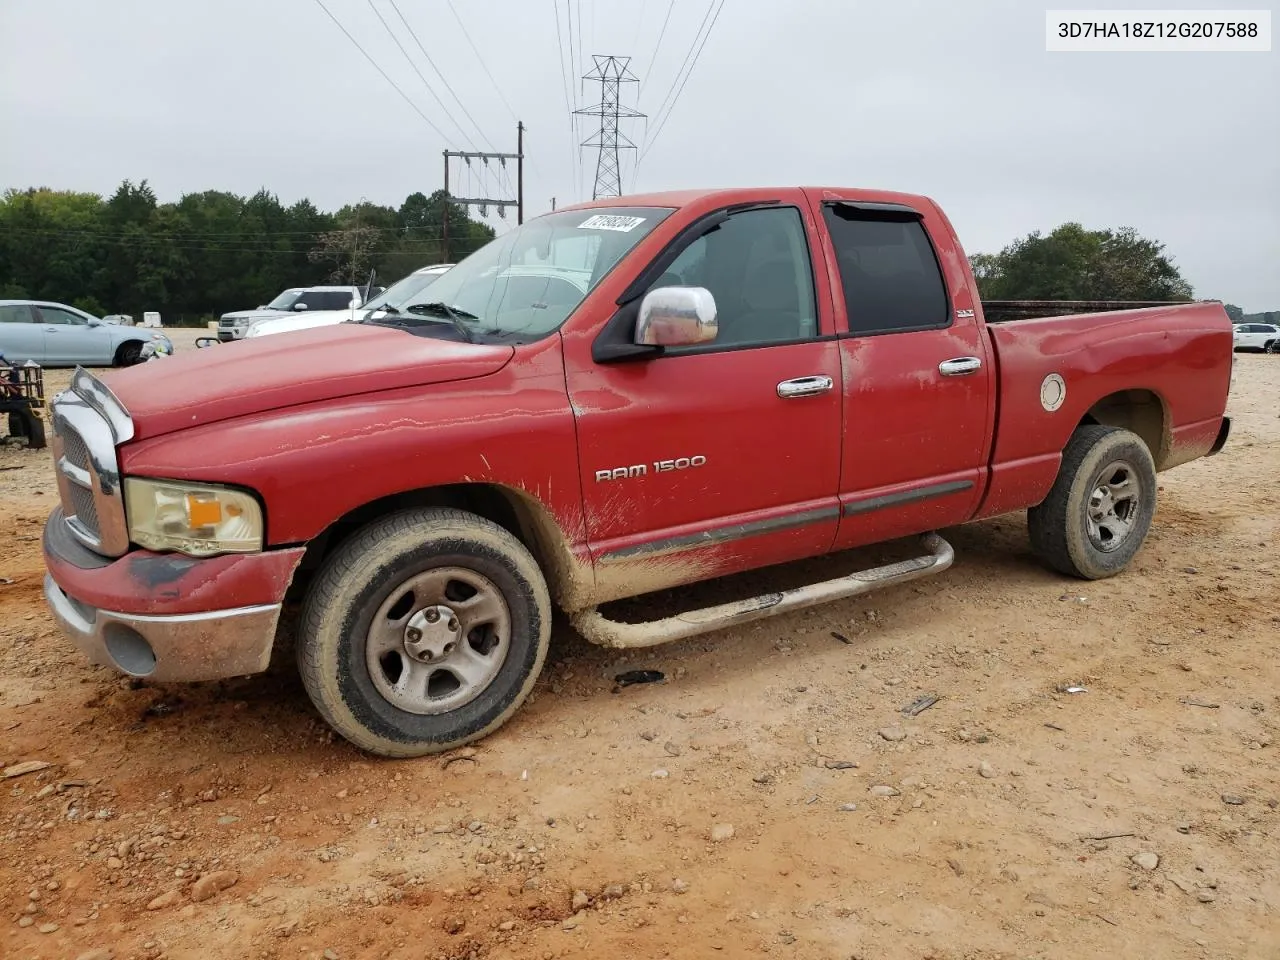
(602, 221)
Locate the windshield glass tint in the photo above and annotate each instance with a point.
(403, 291)
(284, 301)
(530, 280)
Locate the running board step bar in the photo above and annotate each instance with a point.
(611, 633)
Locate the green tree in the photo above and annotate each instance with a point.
(1073, 263)
(212, 251)
(1235, 313)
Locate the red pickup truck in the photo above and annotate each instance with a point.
(610, 400)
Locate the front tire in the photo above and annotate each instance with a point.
(426, 630)
(1272, 347)
(1100, 507)
(128, 354)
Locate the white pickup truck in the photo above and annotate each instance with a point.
(394, 296)
(233, 326)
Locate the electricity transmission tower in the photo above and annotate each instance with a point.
(611, 73)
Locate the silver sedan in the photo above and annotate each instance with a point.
(56, 335)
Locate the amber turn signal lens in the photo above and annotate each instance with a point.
(203, 513)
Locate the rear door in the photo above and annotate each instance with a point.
(725, 455)
(917, 369)
(21, 337)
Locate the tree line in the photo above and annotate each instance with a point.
(211, 252)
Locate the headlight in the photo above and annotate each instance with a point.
(198, 519)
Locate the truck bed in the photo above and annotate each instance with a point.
(1161, 371)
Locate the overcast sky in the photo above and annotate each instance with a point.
(958, 100)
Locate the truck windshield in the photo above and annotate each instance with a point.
(285, 301)
(527, 282)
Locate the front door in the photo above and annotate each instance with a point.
(725, 455)
(918, 377)
(69, 339)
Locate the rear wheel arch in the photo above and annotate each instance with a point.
(1140, 411)
(522, 515)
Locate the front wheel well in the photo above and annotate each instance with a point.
(516, 512)
(1139, 411)
(123, 347)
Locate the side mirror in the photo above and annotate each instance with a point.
(94, 322)
(299, 306)
(676, 317)
(355, 302)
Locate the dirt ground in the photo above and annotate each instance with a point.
(769, 798)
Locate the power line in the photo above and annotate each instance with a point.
(400, 46)
(656, 47)
(685, 62)
(480, 60)
(404, 96)
(564, 80)
(661, 123)
(443, 79)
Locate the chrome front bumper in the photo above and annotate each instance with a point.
(210, 645)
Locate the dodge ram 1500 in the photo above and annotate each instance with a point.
(609, 400)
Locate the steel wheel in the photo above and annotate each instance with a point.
(1099, 509)
(424, 630)
(1113, 506)
(438, 640)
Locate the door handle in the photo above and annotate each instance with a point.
(50, 329)
(960, 366)
(804, 387)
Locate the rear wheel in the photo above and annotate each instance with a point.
(1100, 507)
(425, 630)
(128, 354)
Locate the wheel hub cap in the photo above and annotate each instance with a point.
(438, 640)
(1113, 507)
(432, 634)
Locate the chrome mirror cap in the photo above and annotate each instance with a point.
(676, 317)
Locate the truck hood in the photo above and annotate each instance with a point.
(240, 316)
(253, 376)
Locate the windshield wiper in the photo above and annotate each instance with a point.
(439, 306)
(455, 314)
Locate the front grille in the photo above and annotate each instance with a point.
(82, 507)
(88, 423)
(74, 450)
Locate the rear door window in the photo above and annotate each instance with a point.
(326, 299)
(15, 313)
(890, 274)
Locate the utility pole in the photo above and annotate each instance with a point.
(484, 203)
(611, 73)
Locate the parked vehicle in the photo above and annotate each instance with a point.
(1264, 337)
(56, 335)
(232, 326)
(609, 400)
(399, 296)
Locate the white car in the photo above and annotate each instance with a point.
(395, 296)
(1256, 336)
(234, 325)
